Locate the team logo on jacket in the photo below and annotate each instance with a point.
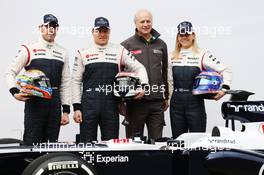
(91, 55)
(193, 58)
(56, 52)
(39, 50)
(176, 61)
(136, 52)
(111, 58)
(157, 51)
(193, 62)
(58, 56)
(110, 54)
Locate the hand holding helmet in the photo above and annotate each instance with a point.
(127, 86)
(33, 83)
(219, 95)
(208, 85)
(22, 96)
(140, 94)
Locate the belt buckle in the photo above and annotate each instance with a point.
(182, 90)
(93, 89)
(88, 90)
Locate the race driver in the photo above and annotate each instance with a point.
(43, 117)
(187, 111)
(94, 71)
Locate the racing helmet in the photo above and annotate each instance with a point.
(126, 84)
(207, 83)
(34, 82)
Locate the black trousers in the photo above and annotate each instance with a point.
(98, 112)
(187, 114)
(42, 120)
(149, 112)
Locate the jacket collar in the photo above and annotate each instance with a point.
(154, 36)
(100, 48)
(190, 49)
(45, 43)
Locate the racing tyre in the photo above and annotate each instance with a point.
(59, 164)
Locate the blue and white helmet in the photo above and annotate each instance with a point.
(207, 84)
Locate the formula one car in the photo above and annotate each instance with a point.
(119, 156)
(230, 150)
(224, 151)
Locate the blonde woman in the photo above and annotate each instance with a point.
(187, 112)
